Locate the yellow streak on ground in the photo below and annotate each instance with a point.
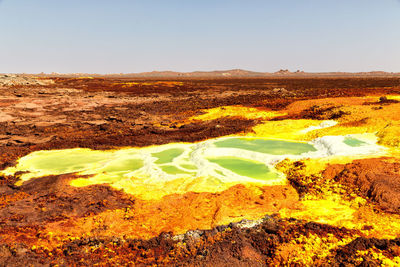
(395, 97)
(285, 129)
(353, 214)
(166, 83)
(322, 211)
(236, 111)
(158, 189)
(126, 84)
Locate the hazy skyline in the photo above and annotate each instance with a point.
(97, 36)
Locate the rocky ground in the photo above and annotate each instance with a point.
(46, 221)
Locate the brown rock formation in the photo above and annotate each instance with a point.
(376, 179)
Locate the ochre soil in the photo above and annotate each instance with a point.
(45, 221)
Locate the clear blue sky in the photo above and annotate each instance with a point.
(99, 36)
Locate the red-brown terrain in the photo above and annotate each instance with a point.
(39, 220)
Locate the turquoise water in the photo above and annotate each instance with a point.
(273, 147)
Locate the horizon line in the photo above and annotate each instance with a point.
(281, 71)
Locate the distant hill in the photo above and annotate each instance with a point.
(235, 73)
(218, 73)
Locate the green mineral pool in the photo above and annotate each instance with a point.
(209, 165)
(170, 169)
(124, 165)
(273, 147)
(167, 155)
(351, 141)
(245, 167)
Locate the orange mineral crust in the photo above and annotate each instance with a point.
(179, 213)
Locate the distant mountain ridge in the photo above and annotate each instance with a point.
(239, 73)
